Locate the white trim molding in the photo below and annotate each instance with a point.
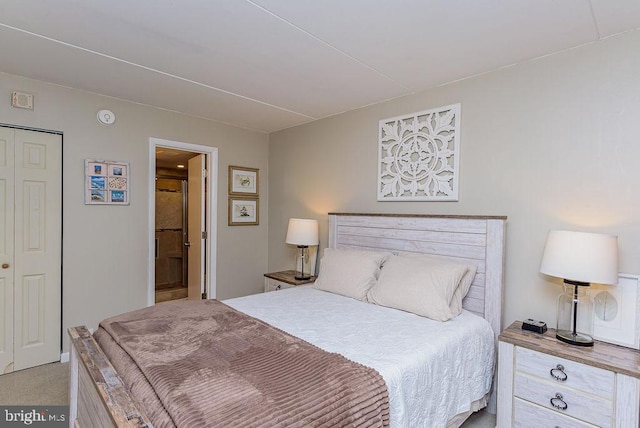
(212, 217)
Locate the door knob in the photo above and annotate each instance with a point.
(5, 265)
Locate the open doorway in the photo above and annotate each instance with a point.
(172, 219)
(182, 248)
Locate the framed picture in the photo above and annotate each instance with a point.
(98, 196)
(616, 318)
(106, 182)
(97, 168)
(117, 170)
(244, 181)
(243, 211)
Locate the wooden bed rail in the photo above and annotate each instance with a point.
(97, 396)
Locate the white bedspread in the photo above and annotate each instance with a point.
(433, 370)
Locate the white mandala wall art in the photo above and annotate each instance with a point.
(418, 156)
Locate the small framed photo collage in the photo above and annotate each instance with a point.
(106, 182)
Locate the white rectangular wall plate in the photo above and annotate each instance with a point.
(22, 100)
(616, 318)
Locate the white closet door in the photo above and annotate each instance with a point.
(6, 249)
(37, 248)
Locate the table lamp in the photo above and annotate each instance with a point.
(302, 232)
(579, 258)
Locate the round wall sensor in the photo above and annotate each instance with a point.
(106, 117)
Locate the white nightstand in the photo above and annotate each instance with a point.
(285, 279)
(544, 382)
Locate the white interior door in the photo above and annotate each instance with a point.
(196, 227)
(33, 262)
(7, 138)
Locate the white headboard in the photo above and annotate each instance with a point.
(472, 239)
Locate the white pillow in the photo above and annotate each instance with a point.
(420, 286)
(349, 272)
(465, 282)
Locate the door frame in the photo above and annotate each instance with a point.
(211, 212)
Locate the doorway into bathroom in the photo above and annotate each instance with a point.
(171, 236)
(183, 231)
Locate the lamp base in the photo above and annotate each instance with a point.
(578, 339)
(303, 254)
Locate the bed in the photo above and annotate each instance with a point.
(99, 397)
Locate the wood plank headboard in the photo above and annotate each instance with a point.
(472, 239)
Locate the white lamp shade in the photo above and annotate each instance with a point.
(302, 231)
(580, 256)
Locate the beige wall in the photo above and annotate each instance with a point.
(552, 143)
(105, 247)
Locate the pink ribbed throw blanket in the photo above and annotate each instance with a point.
(203, 363)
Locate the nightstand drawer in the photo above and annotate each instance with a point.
(528, 415)
(273, 285)
(592, 380)
(576, 403)
(602, 389)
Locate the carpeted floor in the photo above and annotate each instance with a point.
(49, 385)
(481, 419)
(43, 385)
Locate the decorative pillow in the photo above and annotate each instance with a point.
(463, 289)
(465, 282)
(416, 285)
(349, 272)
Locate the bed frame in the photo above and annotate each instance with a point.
(99, 398)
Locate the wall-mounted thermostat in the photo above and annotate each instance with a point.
(106, 117)
(22, 100)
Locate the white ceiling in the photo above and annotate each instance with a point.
(271, 64)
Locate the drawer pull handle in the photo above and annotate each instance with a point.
(278, 287)
(558, 373)
(558, 402)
